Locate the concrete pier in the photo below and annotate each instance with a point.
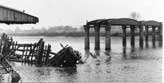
(124, 36)
(146, 36)
(153, 36)
(87, 43)
(160, 35)
(125, 23)
(97, 37)
(141, 35)
(108, 38)
(132, 42)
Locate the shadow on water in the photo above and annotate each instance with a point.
(108, 59)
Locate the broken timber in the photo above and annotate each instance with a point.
(38, 53)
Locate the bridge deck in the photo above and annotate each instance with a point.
(13, 16)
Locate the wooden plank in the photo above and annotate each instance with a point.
(47, 55)
(23, 53)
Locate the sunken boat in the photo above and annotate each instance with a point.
(66, 57)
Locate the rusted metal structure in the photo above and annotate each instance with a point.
(13, 16)
(124, 23)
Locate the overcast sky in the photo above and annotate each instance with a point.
(76, 12)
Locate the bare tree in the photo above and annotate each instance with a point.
(135, 15)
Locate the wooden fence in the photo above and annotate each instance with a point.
(34, 53)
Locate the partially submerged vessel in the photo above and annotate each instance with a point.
(67, 57)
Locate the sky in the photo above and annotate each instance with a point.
(76, 12)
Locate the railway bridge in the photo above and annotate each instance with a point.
(146, 28)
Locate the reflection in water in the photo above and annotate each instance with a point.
(108, 59)
(107, 52)
(86, 56)
(147, 44)
(132, 49)
(97, 52)
(124, 54)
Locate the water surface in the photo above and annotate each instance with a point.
(136, 67)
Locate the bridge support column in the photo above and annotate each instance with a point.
(160, 35)
(124, 36)
(153, 36)
(97, 37)
(141, 35)
(146, 36)
(87, 43)
(132, 30)
(108, 38)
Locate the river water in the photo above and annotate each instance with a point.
(140, 66)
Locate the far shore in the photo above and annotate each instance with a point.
(71, 34)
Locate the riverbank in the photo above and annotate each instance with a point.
(68, 34)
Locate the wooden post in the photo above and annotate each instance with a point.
(47, 55)
(132, 30)
(124, 36)
(87, 43)
(26, 53)
(153, 36)
(97, 37)
(30, 54)
(108, 38)
(40, 52)
(33, 51)
(23, 53)
(146, 36)
(141, 35)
